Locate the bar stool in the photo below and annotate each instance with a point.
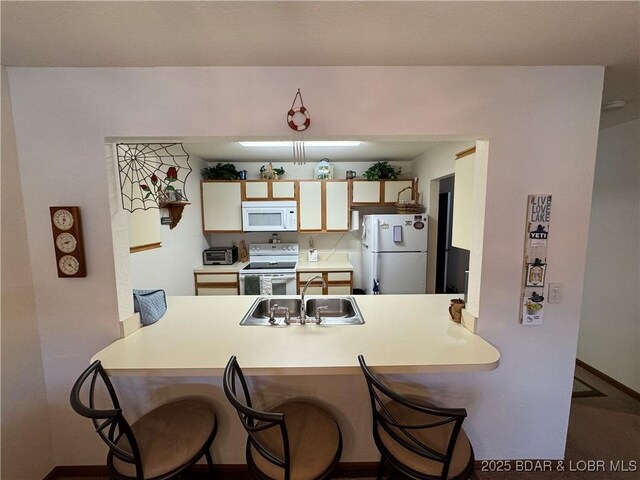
(159, 445)
(295, 440)
(417, 439)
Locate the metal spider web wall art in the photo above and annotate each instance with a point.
(152, 174)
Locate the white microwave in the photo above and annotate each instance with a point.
(276, 216)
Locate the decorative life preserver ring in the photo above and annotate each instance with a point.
(293, 125)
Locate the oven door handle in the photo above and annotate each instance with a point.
(279, 276)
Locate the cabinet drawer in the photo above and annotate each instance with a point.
(217, 291)
(306, 276)
(217, 278)
(339, 276)
(339, 290)
(312, 290)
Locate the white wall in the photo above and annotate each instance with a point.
(171, 266)
(436, 163)
(294, 172)
(609, 337)
(538, 119)
(25, 413)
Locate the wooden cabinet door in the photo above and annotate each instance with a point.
(365, 192)
(337, 205)
(310, 206)
(392, 187)
(283, 190)
(256, 190)
(221, 206)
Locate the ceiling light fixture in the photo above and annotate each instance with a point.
(289, 144)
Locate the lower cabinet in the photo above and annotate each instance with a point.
(217, 283)
(338, 283)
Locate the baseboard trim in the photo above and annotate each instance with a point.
(224, 471)
(77, 471)
(603, 376)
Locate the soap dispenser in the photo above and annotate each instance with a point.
(376, 287)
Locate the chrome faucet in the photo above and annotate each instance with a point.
(303, 308)
(274, 309)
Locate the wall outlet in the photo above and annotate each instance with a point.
(555, 293)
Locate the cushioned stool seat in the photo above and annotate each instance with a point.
(160, 444)
(296, 440)
(169, 436)
(314, 437)
(436, 437)
(417, 439)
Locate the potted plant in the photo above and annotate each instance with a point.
(222, 171)
(381, 171)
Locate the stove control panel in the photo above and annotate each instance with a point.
(271, 249)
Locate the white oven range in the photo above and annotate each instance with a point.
(274, 261)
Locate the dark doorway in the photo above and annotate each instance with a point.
(451, 262)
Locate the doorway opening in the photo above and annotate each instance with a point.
(452, 264)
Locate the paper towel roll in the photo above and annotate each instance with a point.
(355, 220)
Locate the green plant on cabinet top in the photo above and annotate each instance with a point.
(222, 171)
(381, 171)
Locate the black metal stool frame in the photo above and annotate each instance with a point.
(111, 426)
(255, 421)
(383, 418)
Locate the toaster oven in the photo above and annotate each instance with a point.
(220, 255)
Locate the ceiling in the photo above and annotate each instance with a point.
(300, 33)
(367, 151)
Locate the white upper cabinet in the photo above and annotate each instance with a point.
(323, 205)
(380, 192)
(393, 187)
(283, 190)
(337, 206)
(221, 206)
(463, 199)
(269, 190)
(257, 190)
(365, 192)
(310, 206)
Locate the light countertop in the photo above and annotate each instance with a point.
(337, 262)
(401, 334)
(235, 268)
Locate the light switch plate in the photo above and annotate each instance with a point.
(555, 292)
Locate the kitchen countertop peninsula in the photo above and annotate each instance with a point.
(401, 334)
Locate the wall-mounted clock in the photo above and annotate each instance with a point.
(66, 225)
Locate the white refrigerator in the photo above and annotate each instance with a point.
(394, 253)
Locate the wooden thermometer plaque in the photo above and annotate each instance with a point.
(66, 226)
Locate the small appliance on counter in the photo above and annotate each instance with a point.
(220, 256)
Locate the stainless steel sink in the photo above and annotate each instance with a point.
(333, 311)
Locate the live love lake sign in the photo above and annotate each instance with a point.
(535, 259)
